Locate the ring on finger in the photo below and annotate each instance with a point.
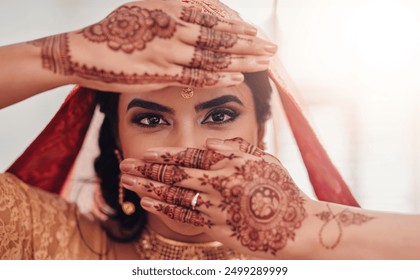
(194, 201)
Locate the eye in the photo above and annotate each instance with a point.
(220, 116)
(149, 120)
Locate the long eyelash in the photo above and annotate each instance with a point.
(233, 114)
(138, 117)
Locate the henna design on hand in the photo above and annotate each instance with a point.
(56, 57)
(193, 15)
(167, 174)
(342, 219)
(195, 158)
(131, 28)
(262, 203)
(184, 215)
(209, 60)
(213, 39)
(176, 195)
(248, 148)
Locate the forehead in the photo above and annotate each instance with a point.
(171, 96)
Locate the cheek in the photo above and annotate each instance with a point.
(245, 128)
(134, 144)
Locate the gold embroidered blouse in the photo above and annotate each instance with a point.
(35, 224)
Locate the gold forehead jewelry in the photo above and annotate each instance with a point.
(187, 92)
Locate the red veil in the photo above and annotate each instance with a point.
(47, 162)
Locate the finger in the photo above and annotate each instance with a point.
(195, 16)
(177, 213)
(219, 61)
(199, 181)
(188, 157)
(169, 194)
(163, 173)
(228, 42)
(199, 78)
(239, 144)
(194, 179)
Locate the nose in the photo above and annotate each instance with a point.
(188, 136)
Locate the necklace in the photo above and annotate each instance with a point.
(153, 246)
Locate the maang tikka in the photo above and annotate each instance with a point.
(127, 206)
(187, 92)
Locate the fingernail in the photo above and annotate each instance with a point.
(126, 166)
(146, 203)
(271, 48)
(263, 61)
(150, 156)
(251, 31)
(128, 180)
(237, 77)
(215, 141)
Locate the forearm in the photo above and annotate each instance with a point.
(22, 74)
(333, 231)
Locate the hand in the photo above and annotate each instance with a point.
(246, 200)
(147, 45)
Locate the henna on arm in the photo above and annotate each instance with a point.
(339, 220)
(55, 54)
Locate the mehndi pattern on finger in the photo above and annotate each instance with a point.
(217, 9)
(209, 60)
(184, 215)
(177, 195)
(248, 148)
(130, 28)
(216, 40)
(164, 173)
(193, 15)
(198, 78)
(196, 158)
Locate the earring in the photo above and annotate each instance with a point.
(127, 206)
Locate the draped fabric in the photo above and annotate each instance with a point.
(47, 162)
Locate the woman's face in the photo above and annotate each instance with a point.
(165, 119)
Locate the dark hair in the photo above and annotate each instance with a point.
(107, 165)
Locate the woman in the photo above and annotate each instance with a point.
(194, 186)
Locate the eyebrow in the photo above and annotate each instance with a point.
(217, 102)
(149, 105)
